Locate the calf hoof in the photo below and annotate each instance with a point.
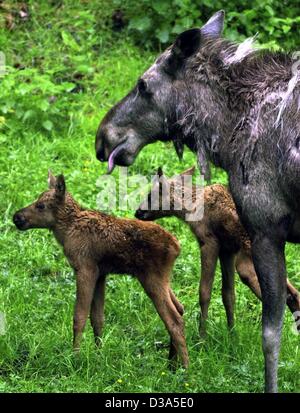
(202, 333)
(76, 350)
(172, 365)
(98, 342)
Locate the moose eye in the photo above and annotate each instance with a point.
(40, 206)
(142, 86)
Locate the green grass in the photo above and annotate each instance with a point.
(37, 287)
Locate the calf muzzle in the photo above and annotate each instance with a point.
(19, 220)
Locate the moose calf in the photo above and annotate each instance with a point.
(97, 244)
(220, 234)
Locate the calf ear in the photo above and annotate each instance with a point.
(51, 180)
(160, 171)
(189, 171)
(163, 184)
(160, 177)
(60, 187)
(214, 27)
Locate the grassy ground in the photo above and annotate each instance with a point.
(82, 74)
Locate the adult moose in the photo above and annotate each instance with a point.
(238, 108)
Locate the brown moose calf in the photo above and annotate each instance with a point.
(97, 244)
(219, 233)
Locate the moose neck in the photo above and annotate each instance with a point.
(224, 84)
(66, 215)
(204, 120)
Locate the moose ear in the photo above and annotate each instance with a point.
(51, 180)
(214, 26)
(60, 187)
(189, 171)
(187, 43)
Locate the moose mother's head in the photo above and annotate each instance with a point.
(150, 111)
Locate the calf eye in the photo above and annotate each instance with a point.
(40, 206)
(142, 86)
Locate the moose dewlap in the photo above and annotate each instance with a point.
(238, 108)
(97, 244)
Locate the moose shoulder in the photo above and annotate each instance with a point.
(239, 108)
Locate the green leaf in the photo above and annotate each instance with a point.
(69, 41)
(162, 35)
(270, 10)
(286, 28)
(28, 114)
(68, 86)
(140, 23)
(48, 125)
(44, 105)
(161, 6)
(178, 28)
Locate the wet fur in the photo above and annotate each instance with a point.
(243, 115)
(97, 244)
(220, 235)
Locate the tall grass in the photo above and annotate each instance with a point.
(37, 288)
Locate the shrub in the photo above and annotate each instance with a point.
(32, 98)
(159, 21)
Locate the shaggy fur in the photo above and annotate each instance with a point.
(220, 234)
(239, 110)
(97, 244)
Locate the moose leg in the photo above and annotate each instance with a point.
(157, 289)
(209, 258)
(97, 310)
(269, 262)
(85, 282)
(228, 295)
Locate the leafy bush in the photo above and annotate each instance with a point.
(159, 21)
(31, 97)
(50, 50)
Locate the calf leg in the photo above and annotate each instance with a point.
(269, 262)
(246, 271)
(293, 298)
(97, 310)
(228, 295)
(157, 288)
(177, 304)
(209, 257)
(85, 281)
(180, 309)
